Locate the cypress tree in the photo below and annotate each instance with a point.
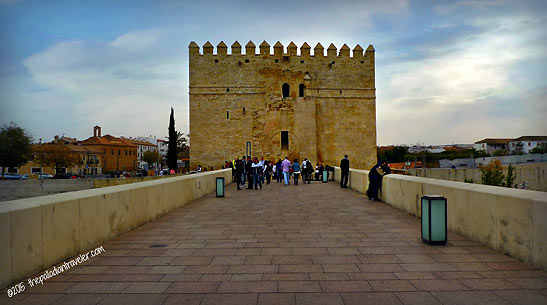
(172, 146)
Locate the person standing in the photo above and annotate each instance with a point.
(244, 172)
(274, 170)
(375, 179)
(249, 170)
(296, 171)
(238, 172)
(257, 170)
(268, 171)
(286, 165)
(304, 167)
(279, 170)
(344, 167)
(309, 166)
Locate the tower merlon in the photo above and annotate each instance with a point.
(369, 55)
(222, 48)
(358, 51)
(331, 51)
(291, 49)
(193, 48)
(236, 48)
(305, 50)
(278, 49)
(250, 48)
(207, 48)
(264, 48)
(318, 51)
(344, 51)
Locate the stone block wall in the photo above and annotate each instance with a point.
(237, 99)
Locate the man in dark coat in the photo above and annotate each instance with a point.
(238, 172)
(344, 167)
(249, 171)
(375, 179)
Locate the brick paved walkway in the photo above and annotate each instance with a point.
(312, 244)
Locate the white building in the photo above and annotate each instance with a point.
(162, 148)
(527, 143)
(492, 145)
(144, 145)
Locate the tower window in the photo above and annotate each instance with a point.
(301, 89)
(227, 89)
(216, 61)
(228, 114)
(286, 90)
(285, 140)
(246, 61)
(277, 60)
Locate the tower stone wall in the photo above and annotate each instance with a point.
(237, 101)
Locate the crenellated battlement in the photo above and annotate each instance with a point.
(279, 50)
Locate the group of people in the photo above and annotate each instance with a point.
(254, 172)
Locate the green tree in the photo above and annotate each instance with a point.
(15, 149)
(538, 150)
(56, 155)
(492, 174)
(172, 145)
(499, 153)
(480, 153)
(183, 149)
(151, 157)
(393, 154)
(510, 179)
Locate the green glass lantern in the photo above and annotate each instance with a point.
(434, 220)
(325, 176)
(220, 186)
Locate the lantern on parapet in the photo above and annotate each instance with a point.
(220, 186)
(434, 225)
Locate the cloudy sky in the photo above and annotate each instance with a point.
(446, 71)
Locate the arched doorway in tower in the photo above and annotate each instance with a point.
(284, 143)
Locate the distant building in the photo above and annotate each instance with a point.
(492, 145)
(162, 148)
(527, 143)
(90, 161)
(119, 154)
(143, 145)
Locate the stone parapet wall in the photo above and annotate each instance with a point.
(511, 221)
(19, 189)
(37, 233)
(533, 174)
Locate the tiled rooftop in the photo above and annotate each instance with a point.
(308, 244)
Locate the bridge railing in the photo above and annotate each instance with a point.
(37, 233)
(511, 221)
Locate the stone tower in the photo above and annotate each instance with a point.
(316, 106)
